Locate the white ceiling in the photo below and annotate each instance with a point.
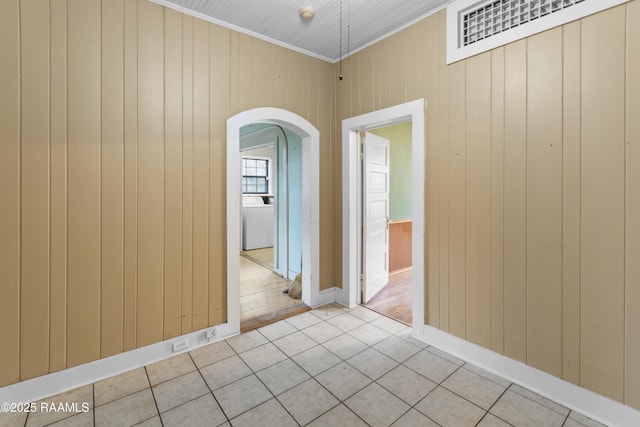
(363, 21)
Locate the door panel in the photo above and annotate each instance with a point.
(375, 214)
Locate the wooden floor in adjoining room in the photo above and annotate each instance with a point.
(394, 300)
(263, 256)
(261, 298)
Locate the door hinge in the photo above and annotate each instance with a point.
(362, 278)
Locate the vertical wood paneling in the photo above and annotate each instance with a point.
(457, 199)
(172, 174)
(34, 169)
(515, 190)
(58, 251)
(130, 291)
(571, 204)
(200, 174)
(497, 200)
(187, 173)
(150, 173)
(632, 298)
(603, 202)
(219, 100)
(10, 191)
(544, 201)
(83, 298)
(365, 80)
(478, 200)
(112, 125)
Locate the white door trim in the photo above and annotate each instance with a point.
(310, 202)
(413, 111)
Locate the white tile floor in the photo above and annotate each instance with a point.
(327, 367)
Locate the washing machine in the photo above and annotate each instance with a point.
(257, 223)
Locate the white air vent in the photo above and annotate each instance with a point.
(476, 26)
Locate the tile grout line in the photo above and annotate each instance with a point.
(208, 388)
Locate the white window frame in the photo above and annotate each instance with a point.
(269, 161)
(456, 10)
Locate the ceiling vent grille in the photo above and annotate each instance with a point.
(476, 26)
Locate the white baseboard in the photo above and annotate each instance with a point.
(327, 296)
(586, 402)
(58, 382)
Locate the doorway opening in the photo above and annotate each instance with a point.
(386, 184)
(413, 112)
(310, 210)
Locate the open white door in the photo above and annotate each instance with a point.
(375, 214)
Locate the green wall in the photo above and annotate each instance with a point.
(400, 169)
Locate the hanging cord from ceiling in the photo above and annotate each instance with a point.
(348, 34)
(340, 74)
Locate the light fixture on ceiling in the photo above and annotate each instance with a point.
(307, 12)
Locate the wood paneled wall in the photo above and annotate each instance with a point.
(400, 245)
(112, 172)
(532, 193)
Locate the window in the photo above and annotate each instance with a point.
(255, 175)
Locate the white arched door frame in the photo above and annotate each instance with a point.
(310, 202)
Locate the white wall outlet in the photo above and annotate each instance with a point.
(180, 345)
(210, 334)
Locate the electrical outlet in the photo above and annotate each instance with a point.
(180, 345)
(210, 334)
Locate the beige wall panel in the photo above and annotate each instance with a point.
(603, 202)
(83, 298)
(497, 200)
(10, 191)
(571, 204)
(413, 69)
(201, 53)
(383, 74)
(478, 200)
(150, 173)
(398, 69)
(130, 291)
(172, 310)
(262, 72)
(244, 70)
(219, 112)
(457, 199)
(34, 169)
(282, 62)
(544, 201)
(296, 83)
(441, 125)
(515, 212)
(187, 173)
(112, 170)
(58, 218)
(632, 309)
(365, 80)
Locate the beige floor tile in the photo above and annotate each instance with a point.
(303, 320)
(294, 343)
(414, 418)
(329, 311)
(474, 388)
(262, 357)
(345, 346)
(119, 386)
(322, 332)
(247, 341)
(523, 412)
(201, 412)
(445, 355)
(338, 416)
(491, 420)
(269, 414)
(576, 420)
(225, 372)
(127, 411)
(178, 391)
(12, 419)
(486, 374)
(307, 401)
(431, 366)
(81, 420)
(539, 399)
(369, 334)
(376, 406)
(346, 322)
(364, 313)
(211, 353)
(170, 368)
(77, 398)
(449, 410)
(406, 335)
(343, 380)
(397, 348)
(242, 395)
(316, 360)
(151, 422)
(389, 325)
(282, 376)
(406, 384)
(372, 363)
(277, 330)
